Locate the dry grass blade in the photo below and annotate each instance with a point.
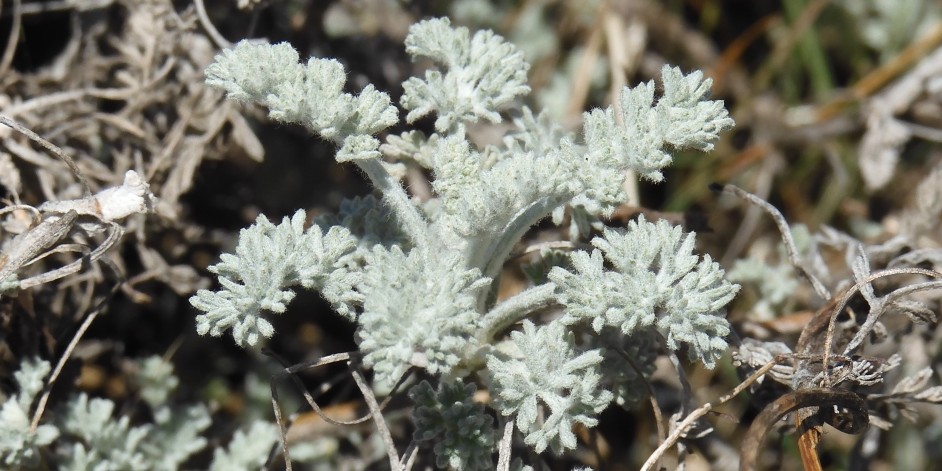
(51, 148)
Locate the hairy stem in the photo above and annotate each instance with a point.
(490, 254)
(516, 309)
(395, 196)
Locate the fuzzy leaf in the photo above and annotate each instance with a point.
(248, 449)
(270, 259)
(657, 281)
(462, 433)
(419, 310)
(108, 440)
(310, 94)
(549, 374)
(482, 73)
(19, 446)
(251, 71)
(682, 118)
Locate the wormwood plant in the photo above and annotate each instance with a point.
(419, 278)
(87, 434)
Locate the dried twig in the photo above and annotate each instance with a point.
(51, 148)
(652, 396)
(409, 456)
(503, 453)
(348, 356)
(114, 235)
(764, 180)
(102, 305)
(26, 246)
(282, 425)
(785, 231)
(816, 339)
(701, 411)
(211, 30)
(867, 327)
(290, 372)
(13, 39)
(377, 418)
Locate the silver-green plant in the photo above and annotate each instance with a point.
(19, 442)
(87, 434)
(419, 278)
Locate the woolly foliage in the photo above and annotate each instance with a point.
(18, 444)
(656, 281)
(419, 314)
(268, 261)
(549, 374)
(462, 433)
(482, 73)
